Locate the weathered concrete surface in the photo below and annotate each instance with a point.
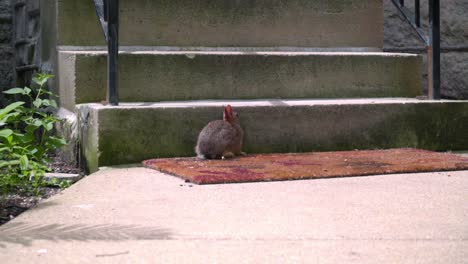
(320, 23)
(131, 133)
(154, 75)
(454, 30)
(141, 216)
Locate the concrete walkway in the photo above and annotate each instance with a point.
(137, 215)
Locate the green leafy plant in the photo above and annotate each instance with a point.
(27, 137)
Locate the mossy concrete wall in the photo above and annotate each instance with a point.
(130, 134)
(166, 76)
(301, 23)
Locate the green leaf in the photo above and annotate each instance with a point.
(48, 126)
(18, 135)
(10, 139)
(6, 133)
(38, 81)
(15, 91)
(33, 151)
(37, 123)
(41, 78)
(9, 108)
(24, 162)
(27, 138)
(4, 149)
(53, 181)
(56, 142)
(53, 104)
(31, 128)
(11, 117)
(48, 102)
(38, 102)
(27, 90)
(65, 184)
(8, 163)
(51, 94)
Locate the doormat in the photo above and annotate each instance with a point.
(300, 166)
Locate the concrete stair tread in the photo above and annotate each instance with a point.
(176, 75)
(270, 102)
(239, 51)
(206, 48)
(132, 132)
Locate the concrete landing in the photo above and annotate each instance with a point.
(136, 215)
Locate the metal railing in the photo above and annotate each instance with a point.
(108, 14)
(431, 40)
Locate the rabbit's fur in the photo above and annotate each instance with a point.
(221, 138)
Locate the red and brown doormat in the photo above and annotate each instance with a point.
(297, 166)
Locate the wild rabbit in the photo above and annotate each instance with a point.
(221, 138)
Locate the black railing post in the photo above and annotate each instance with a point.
(417, 13)
(433, 50)
(431, 40)
(113, 50)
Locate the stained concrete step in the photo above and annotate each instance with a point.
(301, 23)
(130, 133)
(163, 75)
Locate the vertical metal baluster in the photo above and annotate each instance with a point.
(105, 4)
(432, 41)
(417, 13)
(433, 50)
(113, 51)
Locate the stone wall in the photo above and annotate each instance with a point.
(7, 62)
(400, 36)
(27, 31)
(19, 33)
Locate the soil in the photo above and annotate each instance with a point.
(60, 166)
(14, 204)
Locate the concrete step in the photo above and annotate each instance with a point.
(301, 23)
(160, 75)
(130, 133)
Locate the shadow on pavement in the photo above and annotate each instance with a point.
(25, 233)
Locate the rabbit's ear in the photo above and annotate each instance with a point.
(228, 114)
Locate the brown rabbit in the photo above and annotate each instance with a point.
(221, 138)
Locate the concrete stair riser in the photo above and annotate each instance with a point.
(304, 23)
(129, 134)
(166, 76)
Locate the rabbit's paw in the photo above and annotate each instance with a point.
(228, 155)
